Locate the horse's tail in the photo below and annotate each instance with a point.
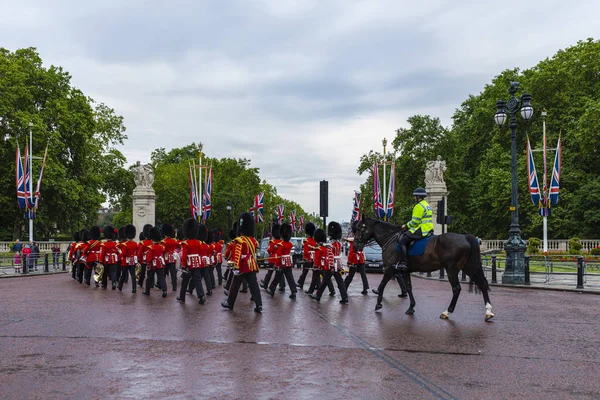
(475, 267)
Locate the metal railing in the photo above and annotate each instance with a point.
(32, 264)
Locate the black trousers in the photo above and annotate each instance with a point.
(250, 279)
(129, 269)
(230, 279)
(327, 275)
(80, 268)
(171, 269)
(306, 265)
(109, 270)
(194, 276)
(205, 276)
(316, 282)
(219, 273)
(142, 275)
(279, 274)
(211, 276)
(74, 270)
(87, 273)
(269, 275)
(119, 270)
(160, 273)
(360, 268)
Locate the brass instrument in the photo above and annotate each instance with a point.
(98, 272)
(138, 271)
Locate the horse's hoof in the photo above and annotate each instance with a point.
(489, 316)
(443, 316)
(410, 311)
(379, 306)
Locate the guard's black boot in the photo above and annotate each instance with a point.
(226, 305)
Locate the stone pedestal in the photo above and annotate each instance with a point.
(435, 192)
(144, 200)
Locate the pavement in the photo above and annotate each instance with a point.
(63, 340)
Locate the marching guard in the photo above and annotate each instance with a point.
(171, 246)
(91, 254)
(129, 251)
(274, 244)
(109, 257)
(191, 260)
(156, 262)
(356, 263)
(284, 262)
(330, 262)
(145, 242)
(73, 247)
(308, 252)
(218, 237)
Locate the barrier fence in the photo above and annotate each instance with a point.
(37, 263)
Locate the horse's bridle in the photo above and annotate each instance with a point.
(360, 241)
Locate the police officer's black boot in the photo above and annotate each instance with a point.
(401, 266)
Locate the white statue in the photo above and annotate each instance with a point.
(434, 174)
(144, 175)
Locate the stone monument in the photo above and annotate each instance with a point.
(144, 198)
(436, 188)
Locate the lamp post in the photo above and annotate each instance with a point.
(514, 272)
(229, 214)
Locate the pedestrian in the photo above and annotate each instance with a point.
(17, 262)
(55, 255)
(17, 246)
(27, 256)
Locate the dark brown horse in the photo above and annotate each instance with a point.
(452, 251)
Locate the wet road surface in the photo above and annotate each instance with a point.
(60, 339)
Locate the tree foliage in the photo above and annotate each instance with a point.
(83, 168)
(478, 153)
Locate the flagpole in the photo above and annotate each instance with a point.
(385, 193)
(30, 179)
(199, 188)
(546, 198)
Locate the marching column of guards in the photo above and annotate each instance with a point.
(198, 253)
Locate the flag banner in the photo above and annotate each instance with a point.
(293, 220)
(258, 207)
(534, 187)
(207, 207)
(193, 199)
(39, 182)
(356, 207)
(377, 203)
(391, 193)
(301, 223)
(555, 181)
(20, 180)
(279, 214)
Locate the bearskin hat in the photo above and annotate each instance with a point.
(180, 234)
(202, 233)
(231, 234)
(167, 230)
(108, 232)
(155, 235)
(209, 237)
(130, 231)
(246, 224)
(190, 228)
(121, 234)
(334, 230)
(216, 235)
(309, 229)
(286, 232)
(276, 231)
(85, 236)
(77, 237)
(320, 236)
(95, 232)
(146, 230)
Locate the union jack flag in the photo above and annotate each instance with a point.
(392, 193)
(293, 220)
(207, 207)
(555, 181)
(39, 182)
(257, 210)
(194, 206)
(301, 223)
(280, 216)
(20, 180)
(356, 208)
(377, 203)
(532, 180)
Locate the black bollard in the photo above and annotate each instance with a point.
(579, 272)
(494, 271)
(527, 280)
(46, 263)
(25, 261)
(64, 261)
(442, 273)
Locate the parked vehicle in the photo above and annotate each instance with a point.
(261, 253)
(297, 252)
(373, 258)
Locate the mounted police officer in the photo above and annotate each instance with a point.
(420, 226)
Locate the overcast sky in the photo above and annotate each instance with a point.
(303, 87)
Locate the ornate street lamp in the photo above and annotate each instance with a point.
(514, 272)
(228, 214)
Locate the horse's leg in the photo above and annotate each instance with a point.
(387, 275)
(479, 279)
(454, 282)
(411, 309)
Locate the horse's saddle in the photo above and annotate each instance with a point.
(417, 248)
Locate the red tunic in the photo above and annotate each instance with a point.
(92, 251)
(244, 254)
(308, 249)
(274, 245)
(326, 255)
(155, 255)
(219, 252)
(109, 253)
(336, 248)
(355, 257)
(171, 246)
(143, 251)
(211, 254)
(284, 258)
(73, 250)
(129, 253)
(191, 253)
(229, 250)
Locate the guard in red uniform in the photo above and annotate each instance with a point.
(210, 269)
(356, 263)
(145, 243)
(308, 254)
(330, 260)
(284, 262)
(191, 260)
(156, 262)
(274, 245)
(91, 254)
(121, 239)
(244, 263)
(129, 259)
(218, 237)
(79, 256)
(171, 246)
(109, 257)
(73, 253)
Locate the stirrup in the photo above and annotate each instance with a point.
(401, 266)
